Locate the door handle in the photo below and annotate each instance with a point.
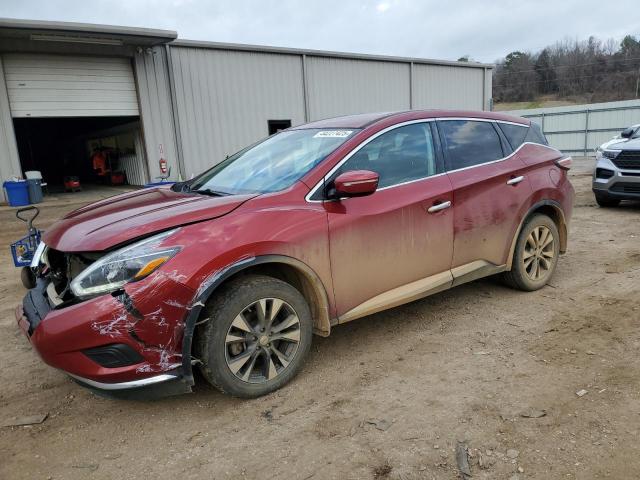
(515, 180)
(439, 206)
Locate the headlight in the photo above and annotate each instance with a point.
(611, 153)
(128, 264)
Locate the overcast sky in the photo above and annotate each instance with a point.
(485, 30)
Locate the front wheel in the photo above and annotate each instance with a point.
(536, 254)
(256, 336)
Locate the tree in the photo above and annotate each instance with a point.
(629, 46)
(585, 71)
(546, 73)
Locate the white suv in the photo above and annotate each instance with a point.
(617, 173)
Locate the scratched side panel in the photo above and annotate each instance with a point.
(159, 307)
(487, 210)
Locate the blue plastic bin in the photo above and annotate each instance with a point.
(17, 193)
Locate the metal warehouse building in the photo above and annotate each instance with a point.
(69, 89)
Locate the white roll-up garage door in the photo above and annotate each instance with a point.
(70, 86)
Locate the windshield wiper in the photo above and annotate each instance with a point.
(212, 193)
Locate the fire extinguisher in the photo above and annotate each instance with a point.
(163, 166)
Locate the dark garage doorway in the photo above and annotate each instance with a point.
(65, 147)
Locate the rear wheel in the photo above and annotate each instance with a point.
(605, 200)
(256, 338)
(536, 254)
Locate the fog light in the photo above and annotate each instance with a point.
(114, 355)
(604, 173)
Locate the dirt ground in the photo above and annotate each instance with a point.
(388, 396)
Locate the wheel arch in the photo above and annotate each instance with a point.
(553, 210)
(293, 271)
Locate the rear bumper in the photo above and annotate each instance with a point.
(138, 342)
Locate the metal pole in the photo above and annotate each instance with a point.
(410, 85)
(484, 90)
(586, 130)
(182, 168)
(305, 89)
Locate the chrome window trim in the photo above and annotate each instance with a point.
(512, 123)
(357, 149)
(442, 119)
(504, 158)
(410, 122)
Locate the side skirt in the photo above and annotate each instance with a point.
(475, 270)
(423, 288)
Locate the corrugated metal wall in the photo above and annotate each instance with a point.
(156, 111)
(225, 98)
(439, 86)
(9, 160)
(339, 86)
(201, 102)
(580, 129)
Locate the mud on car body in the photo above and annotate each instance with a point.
(234, 270)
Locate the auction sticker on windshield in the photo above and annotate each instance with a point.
(333, 134)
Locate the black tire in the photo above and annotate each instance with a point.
(218, 353)
(606, 201)
(520, 276)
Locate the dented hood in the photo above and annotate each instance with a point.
(120, 219)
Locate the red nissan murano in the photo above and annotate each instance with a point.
(321, 224)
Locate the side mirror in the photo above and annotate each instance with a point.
(356, 183)
(627, 133)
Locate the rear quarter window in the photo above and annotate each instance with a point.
(515, 133)
(535, 135)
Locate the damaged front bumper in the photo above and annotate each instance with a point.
(127, 344)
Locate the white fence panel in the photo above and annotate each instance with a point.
(580, 129)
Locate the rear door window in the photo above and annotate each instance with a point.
(515, 133)
(469, 142)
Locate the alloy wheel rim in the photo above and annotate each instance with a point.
(262, 340)
(539, 253)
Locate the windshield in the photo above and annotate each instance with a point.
(271, 165)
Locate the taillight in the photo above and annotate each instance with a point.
(564, 163)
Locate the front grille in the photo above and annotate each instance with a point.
(628, 159)
(626, 188)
